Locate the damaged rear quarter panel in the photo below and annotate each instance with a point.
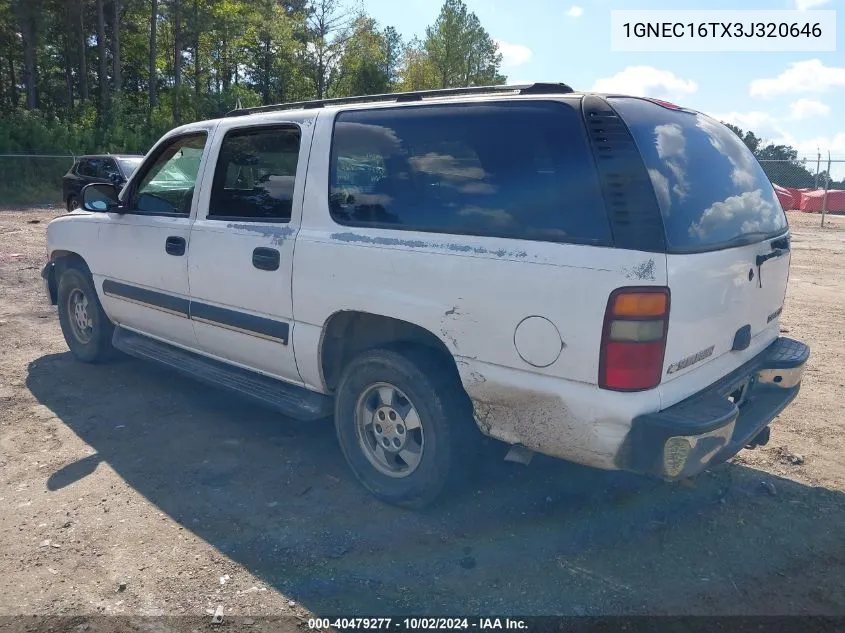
(471, 292)
(566, 419)
(473, 302)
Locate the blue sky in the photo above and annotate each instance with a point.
(794, 98)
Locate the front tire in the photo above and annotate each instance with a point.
(72, 203)
(86, 328)
(404, 424)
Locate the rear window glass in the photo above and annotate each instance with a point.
(518, 169)
(711, 190)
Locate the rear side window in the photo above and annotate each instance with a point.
(255, 174)
(711, 190)
(517, 169)
(88, 167)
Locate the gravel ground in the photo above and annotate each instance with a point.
(128, 490)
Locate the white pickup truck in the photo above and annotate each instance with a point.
(594, 277)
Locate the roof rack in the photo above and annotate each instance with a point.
(402, 97)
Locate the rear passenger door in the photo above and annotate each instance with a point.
(75, 179)
(242, 248)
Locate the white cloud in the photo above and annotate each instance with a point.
(810, 147)
(808, 108)
(672, 150)
(749, 208)
(808, 76)
(575, 12)
(754, 120)
(780, 131)
(646, 81)
(803, 5)
(513, 54)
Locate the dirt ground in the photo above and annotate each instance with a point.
(128, 490)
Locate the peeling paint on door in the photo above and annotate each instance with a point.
(277, 234)
(456, 248)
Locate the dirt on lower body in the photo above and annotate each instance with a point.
(128, 490)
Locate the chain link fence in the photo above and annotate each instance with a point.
(33, 180)
(810, 184)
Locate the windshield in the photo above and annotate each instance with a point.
(711, 190)
(129, 165)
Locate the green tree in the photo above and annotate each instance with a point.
(328, 30)
(113, 75)
(417, 70)
(274, 52)
(27, 13)
(370, 60)
(461, 51)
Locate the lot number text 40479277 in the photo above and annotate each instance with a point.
(418, 624)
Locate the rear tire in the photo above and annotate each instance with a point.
(86, 328)
(405, 424)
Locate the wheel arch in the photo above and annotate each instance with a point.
(61, 260)
(347, 333)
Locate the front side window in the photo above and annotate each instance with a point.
(255, 174)
(167, 187)
(519, 169)
(108, 169)
(129, 165)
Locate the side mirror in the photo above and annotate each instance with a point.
(101, 197)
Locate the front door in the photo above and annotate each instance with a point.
(242, 249)
(144, 280)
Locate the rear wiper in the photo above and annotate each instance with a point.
(778, 252)
(762, 259)
(746, 238)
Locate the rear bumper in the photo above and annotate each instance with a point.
(715, 424)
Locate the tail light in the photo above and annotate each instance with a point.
(634, 339)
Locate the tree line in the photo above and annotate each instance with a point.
(113, 75)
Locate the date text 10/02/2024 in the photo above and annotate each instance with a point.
(417, 624)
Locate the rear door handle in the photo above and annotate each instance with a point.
(266, 258)
(175, 245)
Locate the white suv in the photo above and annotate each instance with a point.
(593, 277)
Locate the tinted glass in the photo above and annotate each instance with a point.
(168, 185)
(129, 165)
(88, 167)
(255, 174)
(516, 169)
(711, 189)
(108, 169)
